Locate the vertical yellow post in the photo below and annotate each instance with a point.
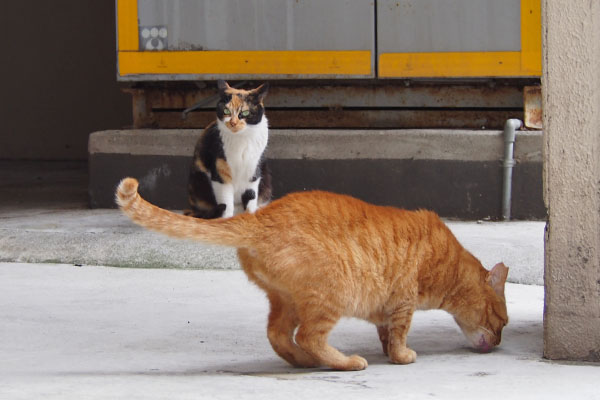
(127, 25)
(531, 36)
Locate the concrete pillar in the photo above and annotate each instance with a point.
(571, 95)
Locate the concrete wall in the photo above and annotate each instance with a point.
(58, 74)
(571, 94)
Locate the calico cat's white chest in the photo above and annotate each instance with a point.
(243, 151)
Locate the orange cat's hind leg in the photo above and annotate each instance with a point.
(282, 317)
(398, 326)
(315, 325)
(280, 331)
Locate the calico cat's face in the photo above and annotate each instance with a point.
(483, 325)
(239, 108)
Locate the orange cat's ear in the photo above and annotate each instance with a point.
(497, 278)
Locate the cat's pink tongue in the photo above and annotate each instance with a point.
(484, 346)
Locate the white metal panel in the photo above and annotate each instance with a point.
(416, 26)
(260, 24)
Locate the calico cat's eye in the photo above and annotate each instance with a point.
(245, 113)
(226, 111)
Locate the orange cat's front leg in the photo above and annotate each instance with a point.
(399, 324)
(384, 335)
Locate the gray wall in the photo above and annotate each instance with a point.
(571, 95)
(58, 78)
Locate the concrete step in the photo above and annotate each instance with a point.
(457, 173)
(106, 237)
(100, 237)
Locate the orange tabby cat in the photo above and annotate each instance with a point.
(321, 256)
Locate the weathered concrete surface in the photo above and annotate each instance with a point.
(100, 237)
(105, 237)
(110, 333)
(350, 144)
(571, 94)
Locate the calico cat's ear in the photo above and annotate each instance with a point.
(222, 85)
(260, 92)
(497, 278)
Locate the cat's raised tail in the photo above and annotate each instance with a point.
(238, 231)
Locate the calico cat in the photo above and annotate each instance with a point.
(321, 256)
(229, 167)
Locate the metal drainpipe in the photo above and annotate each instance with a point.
(510, 128)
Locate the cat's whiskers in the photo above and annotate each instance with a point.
(486, 330)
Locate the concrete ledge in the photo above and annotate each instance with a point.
(100, 237)
(106, 237)
(456, 173)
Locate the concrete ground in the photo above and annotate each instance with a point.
(93, 332)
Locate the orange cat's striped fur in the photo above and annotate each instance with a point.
(321, 256)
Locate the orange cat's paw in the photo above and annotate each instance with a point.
(356, 363)
(403, 356)
(302, 360)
